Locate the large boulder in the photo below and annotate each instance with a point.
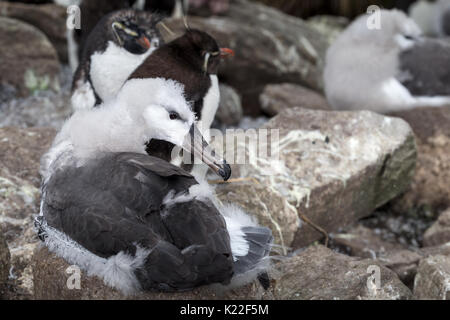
(332, 167)
(19, 195)
(277, 97)
(30, 64)
(433, 278)
(430, 187)
(48, 18)
(270, 47)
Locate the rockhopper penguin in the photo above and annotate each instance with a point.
(113, 50)
(192, 60)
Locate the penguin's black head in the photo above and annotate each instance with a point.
(131, 37)
(202, 50)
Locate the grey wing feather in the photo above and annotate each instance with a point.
(116, 202)
(260, 242)
(424, 68)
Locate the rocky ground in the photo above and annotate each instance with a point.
(359, 203)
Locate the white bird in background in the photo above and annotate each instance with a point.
(386, 69)
(432, 17)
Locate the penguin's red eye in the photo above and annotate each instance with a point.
(174, 116)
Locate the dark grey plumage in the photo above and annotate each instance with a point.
(446, 23)
(425, 68)
(115, 203)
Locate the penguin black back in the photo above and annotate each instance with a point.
(189, 59)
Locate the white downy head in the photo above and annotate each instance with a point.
(144, 109)
(160, 107)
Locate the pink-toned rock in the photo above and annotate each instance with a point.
(430, 186)
(48, 18)
(277, 97)
(30, 64)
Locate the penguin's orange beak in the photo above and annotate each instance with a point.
(226, 52)
(144, 42)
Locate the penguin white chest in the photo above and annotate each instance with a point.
(210, 105)
(111, 68)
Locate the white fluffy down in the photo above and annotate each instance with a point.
(236, 219)
(116, 271)
(362, 66)
(83, 97)
(138, 114)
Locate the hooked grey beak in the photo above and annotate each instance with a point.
(196, 145)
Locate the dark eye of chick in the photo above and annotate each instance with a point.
(174, 115)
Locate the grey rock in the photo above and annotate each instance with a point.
(403, 262)
(48, 18)
(30, 64)
(363, 242)
(333, 167)
(439, 232)
(319, 273)
(433, 278)
(277, 97)
(367, 243)
(19, 195)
